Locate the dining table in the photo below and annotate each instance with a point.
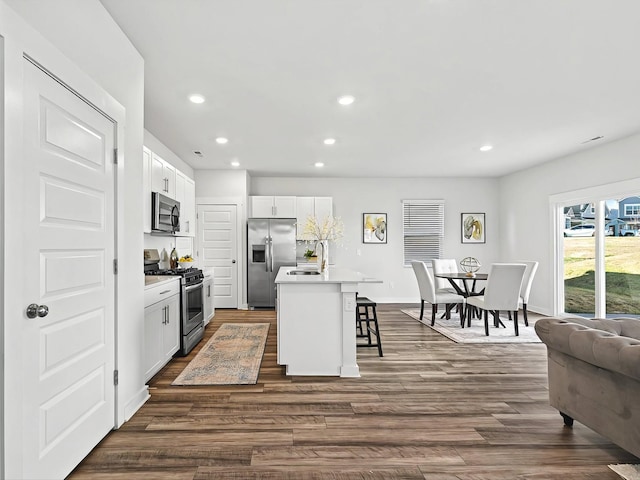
(468, 291)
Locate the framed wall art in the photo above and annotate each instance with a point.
(472, 226)
(374, 228)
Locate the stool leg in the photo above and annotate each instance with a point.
(375, 322)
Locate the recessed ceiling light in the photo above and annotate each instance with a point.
(235, 163)
(196, 98)
(329, 141)
(318, 164)
(486, 148)
(222, 140)
(346, 99)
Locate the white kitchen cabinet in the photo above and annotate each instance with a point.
(163, 176)
(319, 207)
(273, 207)
(161, 326)
(186, 195)
(209, 309)
(146, 190)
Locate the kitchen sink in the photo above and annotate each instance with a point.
(303, 272)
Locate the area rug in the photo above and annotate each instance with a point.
(232, 356)
(627, 471)
(475, 334)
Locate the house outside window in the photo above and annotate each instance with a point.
(632, 209)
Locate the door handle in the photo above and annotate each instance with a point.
(34, 310)
(233, 261)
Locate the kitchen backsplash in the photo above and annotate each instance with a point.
(164, 245)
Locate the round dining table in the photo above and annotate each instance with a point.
(468, 290)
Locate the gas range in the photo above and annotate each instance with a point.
(191, 275)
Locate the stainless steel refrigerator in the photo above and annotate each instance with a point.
(271, 244)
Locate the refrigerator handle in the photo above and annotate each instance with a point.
(271, 251)
(267, 250)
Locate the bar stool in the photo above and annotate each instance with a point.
(367, 323)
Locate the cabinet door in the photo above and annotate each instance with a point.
(323, 207)
(262, 207)
(208, 299)
(170, 174)
(171, 329)
(189, 208)
(304, 210)
(180, 192)
(146, 190)
(158, 179)
(154, 317)
(284, 207)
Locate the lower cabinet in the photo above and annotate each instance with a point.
(208, 310)
(161, 334)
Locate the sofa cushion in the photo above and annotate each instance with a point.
(601, 342)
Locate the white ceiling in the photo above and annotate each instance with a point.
(433, 79)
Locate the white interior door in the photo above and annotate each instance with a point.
(217, 246)
(68, 390)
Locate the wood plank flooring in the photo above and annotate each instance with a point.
(429, 409)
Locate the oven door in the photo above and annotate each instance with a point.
(192, 313)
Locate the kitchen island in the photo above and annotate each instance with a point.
(317, 321)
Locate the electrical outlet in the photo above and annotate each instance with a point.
(349, 304)
(391, 285)
(358, 252)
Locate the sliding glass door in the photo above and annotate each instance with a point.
(601, 258)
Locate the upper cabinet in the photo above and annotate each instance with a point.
(160, 176)
(163, 176)
(186, 195)
(319, 207)
(273, 207)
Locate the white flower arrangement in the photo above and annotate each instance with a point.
(331, 228)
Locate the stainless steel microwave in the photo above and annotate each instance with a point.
(165, 214)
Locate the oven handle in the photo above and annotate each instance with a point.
(193, 287)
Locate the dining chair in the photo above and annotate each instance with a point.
(444, 265)
(428, 293)
(502, 293)
(525, 289)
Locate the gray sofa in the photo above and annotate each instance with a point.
(594, 374)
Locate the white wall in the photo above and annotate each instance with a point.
(81, 33)
(354, 196)
(526, 225)
(159, 148)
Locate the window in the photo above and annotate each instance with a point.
(423, 229)
(632, 210)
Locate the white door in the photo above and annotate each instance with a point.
(68, 388)
(217, 246)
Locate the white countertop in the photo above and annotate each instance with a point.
(333, 275)
(155, 280)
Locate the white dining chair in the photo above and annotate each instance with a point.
(428, 293)
(501, 294)
(444, 265)
(525, 289)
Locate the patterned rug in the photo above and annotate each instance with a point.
(475, 334)
(232, 356)
(627, 471)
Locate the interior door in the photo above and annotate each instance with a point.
(217, 240)
(68, 391)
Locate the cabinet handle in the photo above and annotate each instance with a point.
(273, 210)
(167, 314)
(166, 291)
(208, 290)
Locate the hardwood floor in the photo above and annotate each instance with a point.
(429, 409)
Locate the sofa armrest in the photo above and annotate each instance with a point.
(592, 345)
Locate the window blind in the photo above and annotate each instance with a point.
(423, 229)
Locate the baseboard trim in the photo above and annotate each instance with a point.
(136, 402)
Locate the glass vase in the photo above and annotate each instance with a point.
(322, 251)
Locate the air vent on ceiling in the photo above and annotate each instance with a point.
(197, 153)
(593, 139)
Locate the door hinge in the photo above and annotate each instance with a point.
(115, 377)
(115, 266)
(115, 156)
